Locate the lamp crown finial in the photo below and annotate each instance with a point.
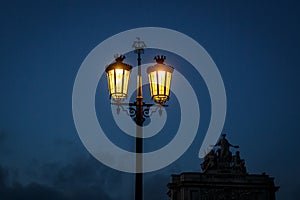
(120, 58)
(138, 44)
(160, 59)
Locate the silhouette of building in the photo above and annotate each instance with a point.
(224, 177)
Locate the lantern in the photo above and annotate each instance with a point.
(160, 76)
(118, 74)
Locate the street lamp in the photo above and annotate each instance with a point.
(118, 74)
(160, 76)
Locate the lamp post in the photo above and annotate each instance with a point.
(118, 75)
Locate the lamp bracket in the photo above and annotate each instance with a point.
(131, 110)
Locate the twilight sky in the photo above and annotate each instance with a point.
(255, 46)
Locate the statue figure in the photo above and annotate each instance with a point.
(219, 154)
(239, 163)
(220, 160)
(209, 161)
(224, 154)
(236, 158)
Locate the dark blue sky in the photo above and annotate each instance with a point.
(254, 44)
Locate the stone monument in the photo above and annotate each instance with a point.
(224, 177)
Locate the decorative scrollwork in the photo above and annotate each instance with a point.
(132, 112)
(130, 109)
(146, 112)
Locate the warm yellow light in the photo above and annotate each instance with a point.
(160, 76)
(118, 75)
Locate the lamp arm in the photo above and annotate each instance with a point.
(131, 110)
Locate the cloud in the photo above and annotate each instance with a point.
(77, 179)
(75, 185)
(33, 191)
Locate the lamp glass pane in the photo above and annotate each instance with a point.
(168, 83)
(150, 83)
(111, 81)
(161, 82)
(153, 83)
(119, 80)
(126, 81)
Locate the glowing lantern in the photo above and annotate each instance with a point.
(118, 74)
(160, 76)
